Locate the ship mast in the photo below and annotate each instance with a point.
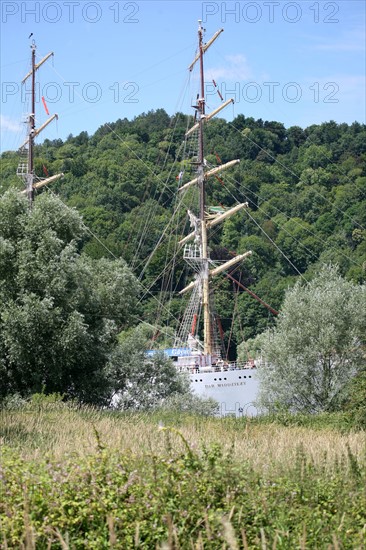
(207, 332)
(31, 128)
(205, 221)
(26, 169)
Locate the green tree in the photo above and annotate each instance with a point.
(60, 312)
(297, 241)
(317, 345)
(140, 382)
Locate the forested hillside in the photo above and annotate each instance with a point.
(306, 190)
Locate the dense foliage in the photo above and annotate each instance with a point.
(307, 207)
(317, 346)
(305, 188)
(175, 491)
(60, 312)
(141, 382)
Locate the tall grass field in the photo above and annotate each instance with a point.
(77, 478)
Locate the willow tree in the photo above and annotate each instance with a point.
(317, 346)
(60, 311)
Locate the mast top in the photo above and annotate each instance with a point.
(204, 46)
(26, 167)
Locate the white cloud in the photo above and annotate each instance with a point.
(9, 125)
(236, 68)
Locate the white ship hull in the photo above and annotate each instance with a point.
(234, 390)
(234, 386)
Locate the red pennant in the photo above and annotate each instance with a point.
(45, 106)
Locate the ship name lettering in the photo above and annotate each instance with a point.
(225, 385)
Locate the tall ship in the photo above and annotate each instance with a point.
(197, 348)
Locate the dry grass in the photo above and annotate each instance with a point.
(63, 431)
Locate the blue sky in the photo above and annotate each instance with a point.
(299, 63)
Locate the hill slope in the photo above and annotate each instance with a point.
(306, 190)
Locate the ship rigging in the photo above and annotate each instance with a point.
(26, 170)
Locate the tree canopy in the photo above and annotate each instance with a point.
(60, 311)
(317, 345)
